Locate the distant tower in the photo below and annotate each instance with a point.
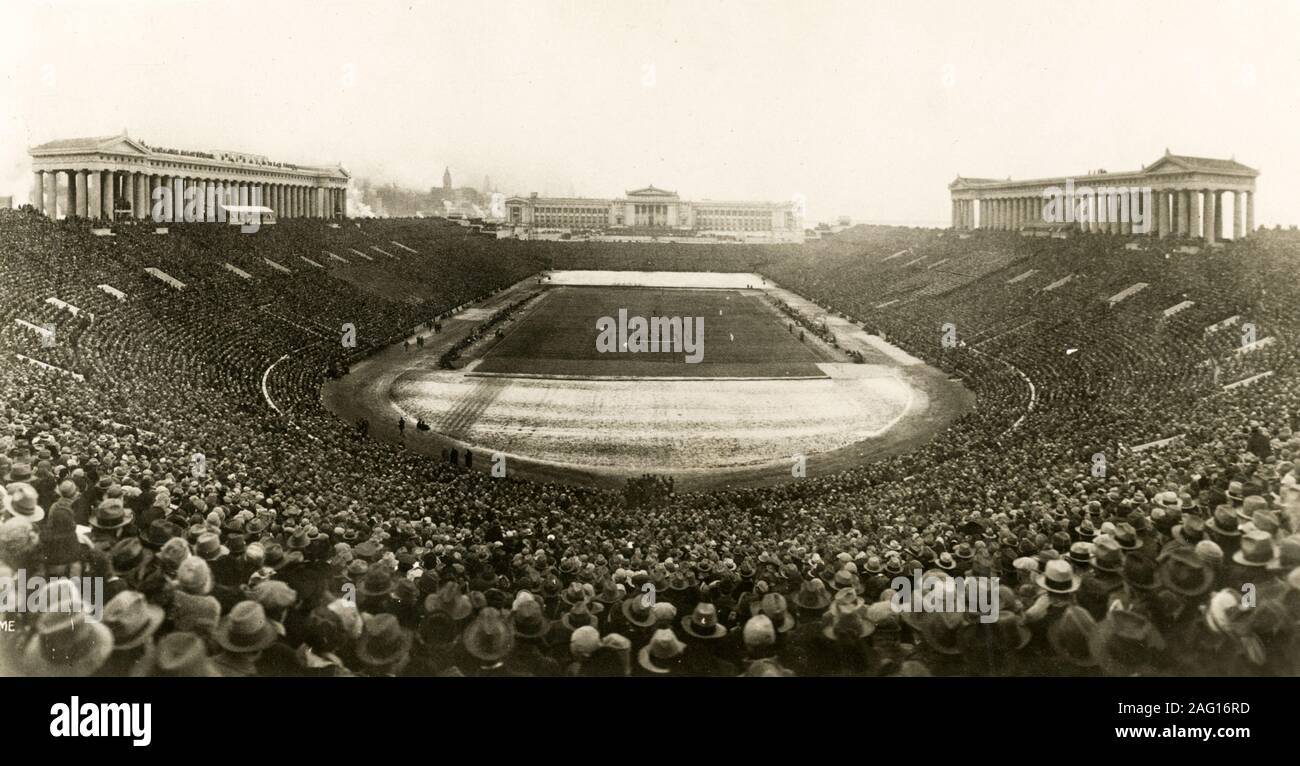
(446, 179)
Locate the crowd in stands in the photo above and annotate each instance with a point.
(178, 450)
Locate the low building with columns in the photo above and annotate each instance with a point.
(652, 211)
(117, 177)
(1187, 197)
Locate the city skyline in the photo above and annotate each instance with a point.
(906, 99)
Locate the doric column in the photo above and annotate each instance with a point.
(209, 201)
(1250, 213)
(52, 195)
(1211, 215)
(1180, 213)
(107, 195)
(79, 190)
(38, 191)
(178, 199)
(94, 209)
(128, 191)
(1125, 206)
(141, 206)
(1238, 215)
(1162, 213)
(1194, 214)
(71, 181)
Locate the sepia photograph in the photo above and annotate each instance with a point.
(565, 340)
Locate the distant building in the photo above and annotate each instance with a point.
(653, 211)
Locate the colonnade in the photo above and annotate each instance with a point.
(1194, 213)
(115, 194)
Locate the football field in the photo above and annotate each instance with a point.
(744, 336)
(759, 404)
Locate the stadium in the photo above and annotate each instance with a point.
(206, 342)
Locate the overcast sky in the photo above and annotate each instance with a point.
(868, 109)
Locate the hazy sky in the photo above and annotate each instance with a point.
(868, 109)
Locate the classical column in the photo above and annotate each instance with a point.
(79, 191)
(128, 191)
(141, 196)
(107, 197)
(94, 210)
(1238, 215)
(1194, 214)
(178, 199)
(52, 195)
(38, 191)
(1125, 204)
(1211, 215)
(1250, 213)
(209, 191)
(1180, 214)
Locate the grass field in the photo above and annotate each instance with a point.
(743, 336)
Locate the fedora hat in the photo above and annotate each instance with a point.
(1224, 522)
(1257, 549)
(1125, 643)
(579, 615)
(1107, 556)
(488, 637)
(1058, 577)
(383, 641)
(127, 555)
(194, 576)
(1080, 553)
(131, 619)
(209, 548)
(703, 622)
(849, 626)
(111, 515)
(774, 606)
(245, 629)
(1191, 530)
(1126, 536)
(638, 612)
(1140, 572)
(610, 592)
(23, 502)
(156, 535)
(1249, 505)
(177, 654)
(812, 595)
(378, 581)
(1186, 573)
(528, 619)
(1072, 637)
(1168, 500)
(66, 643)
(1288, 554)
(664, 646)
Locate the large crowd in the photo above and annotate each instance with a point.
(173, 443)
